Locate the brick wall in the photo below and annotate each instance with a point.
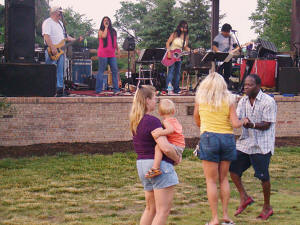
(90, 119)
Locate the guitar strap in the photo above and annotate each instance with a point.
(184, 36)
(64, 29)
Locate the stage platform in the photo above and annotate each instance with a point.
(35, 120)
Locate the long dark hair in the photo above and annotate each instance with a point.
(112, 31)
(178, 31)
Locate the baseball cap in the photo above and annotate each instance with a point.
(56, 9)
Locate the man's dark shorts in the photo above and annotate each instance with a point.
(260, 163)
(216, 147)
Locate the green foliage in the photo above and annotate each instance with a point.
(272, 21)
(153, 21)
(76, 23)
(2, 9)
(196, 13)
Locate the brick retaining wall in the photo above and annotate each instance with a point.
(37, 120)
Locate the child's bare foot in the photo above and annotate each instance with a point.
(153, 172)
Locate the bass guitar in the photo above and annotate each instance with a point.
(176, 54)
(61, 46)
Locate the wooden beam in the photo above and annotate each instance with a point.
(215, 19)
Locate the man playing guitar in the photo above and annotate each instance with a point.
(225, 42)
(54, 33)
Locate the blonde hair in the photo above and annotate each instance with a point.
(213, 91)
(166, 107)
(139, 105)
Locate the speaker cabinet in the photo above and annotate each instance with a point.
(19, 30)
(288, 80)
(18, 79)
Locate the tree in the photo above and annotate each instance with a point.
(197, 15)
(2, 9)
(158, 24)
(130, 17)
(272, 21)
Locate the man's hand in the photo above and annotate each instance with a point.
(178, 161)
(248, 124)
(53, 50)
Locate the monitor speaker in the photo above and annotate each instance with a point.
(27, 79)
(266, 47)
(288, 80)
(19, 30)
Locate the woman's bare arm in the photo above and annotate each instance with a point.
(166, 147)
(236, 123)
(196, 115)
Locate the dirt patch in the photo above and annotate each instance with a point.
(100, 148)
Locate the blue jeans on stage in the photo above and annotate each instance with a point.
(102, 62)
(59, 69)
(174, 72)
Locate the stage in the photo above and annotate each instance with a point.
(93, 119)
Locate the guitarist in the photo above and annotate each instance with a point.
(54, 32)
(179, 39)
(225, 42)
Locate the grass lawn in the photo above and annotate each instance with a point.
(98, 189)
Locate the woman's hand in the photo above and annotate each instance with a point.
(176, 162)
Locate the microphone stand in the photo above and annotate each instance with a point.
(237, 40)
(128, 60)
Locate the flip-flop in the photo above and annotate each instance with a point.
(264, 216)
(241, 208)
(228, 223)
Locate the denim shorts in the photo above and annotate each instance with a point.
(260, 163)
(216, 147)
(166, 179)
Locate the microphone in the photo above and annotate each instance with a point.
(233, 31)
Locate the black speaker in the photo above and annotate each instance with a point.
(129, 44)
(265, 48)
(19, 30)
(27, 79)
(288, 80)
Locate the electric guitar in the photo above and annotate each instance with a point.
(61, 46)
(176, 54)
(233, 52)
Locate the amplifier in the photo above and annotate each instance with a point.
(81, 70)
(288, 80)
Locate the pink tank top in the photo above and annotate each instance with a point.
(109, 50)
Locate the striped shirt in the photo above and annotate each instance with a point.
(253, 141)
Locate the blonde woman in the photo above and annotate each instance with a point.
(159, 191)
(215, 114)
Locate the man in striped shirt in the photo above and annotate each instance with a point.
(256, 143)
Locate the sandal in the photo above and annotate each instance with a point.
(153, 173)
(228, 222)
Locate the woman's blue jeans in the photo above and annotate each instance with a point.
(174, 73)
(102, 62)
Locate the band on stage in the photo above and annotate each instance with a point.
(225, 45)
